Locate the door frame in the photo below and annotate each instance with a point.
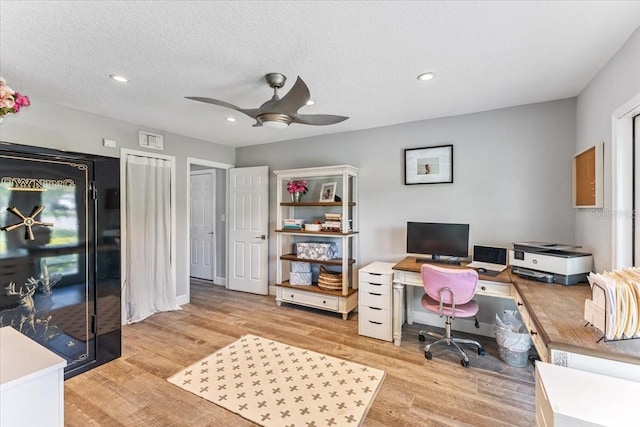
(124, 153)
(621, 183)
(214, 265)
(213, 165)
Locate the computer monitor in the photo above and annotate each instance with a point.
(438, 239)
(490, 254)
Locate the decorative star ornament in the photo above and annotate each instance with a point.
(27, 221)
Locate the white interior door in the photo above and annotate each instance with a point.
(202, 233)
(248, 229)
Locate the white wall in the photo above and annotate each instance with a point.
(615, 84)
(54, 126)
(512, 176)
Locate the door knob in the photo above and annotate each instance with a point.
(211, 232)
(262, 237)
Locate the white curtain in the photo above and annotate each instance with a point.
(150, 286)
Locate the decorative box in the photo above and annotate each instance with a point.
(316, 250)
(300, 267)
(300, 279)
(292, 224)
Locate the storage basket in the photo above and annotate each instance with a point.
(329, 280)
(300, 279)
(320, 251)
(300, 267)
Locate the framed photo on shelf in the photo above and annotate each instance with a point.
(428, 165)
(328, 192)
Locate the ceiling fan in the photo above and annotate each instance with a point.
(279, 113)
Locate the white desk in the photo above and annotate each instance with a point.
(31, 382)
(570, 397)
(406, 277)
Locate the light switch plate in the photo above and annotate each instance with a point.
(109, 143)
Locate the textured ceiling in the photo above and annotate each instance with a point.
(360, 59)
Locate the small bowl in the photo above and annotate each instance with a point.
(312, 227)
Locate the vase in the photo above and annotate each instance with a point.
(296, 197)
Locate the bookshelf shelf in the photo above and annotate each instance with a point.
(338, 215)
(335, 261)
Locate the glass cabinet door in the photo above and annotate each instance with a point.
(47, 260)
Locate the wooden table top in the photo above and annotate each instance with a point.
(412, 264)
(558, 314)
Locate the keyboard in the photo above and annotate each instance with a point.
(487, 266)
(439, 261)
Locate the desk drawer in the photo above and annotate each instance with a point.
(408, 278)
(376, 288)
(383, 279)
(310, 298)
(494, 289)
(540, 346)
(375, 300)
(375, 323)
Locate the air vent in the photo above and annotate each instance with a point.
(151, 140)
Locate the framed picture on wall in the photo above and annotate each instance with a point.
(428, 165)
(588, 167)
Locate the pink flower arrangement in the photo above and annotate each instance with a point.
(10, 100)
(297, 187)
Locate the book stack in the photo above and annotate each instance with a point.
(292, 224)
(333, 222)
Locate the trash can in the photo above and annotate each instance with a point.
(513, 339)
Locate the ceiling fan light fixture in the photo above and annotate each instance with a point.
(230, 119)
(274, 120)
(311, 102)
(426, 76)
(275, 124)
(279, 113)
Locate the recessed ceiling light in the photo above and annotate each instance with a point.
(118, 78)
(230, 119)
(426, 76)
(311, 102)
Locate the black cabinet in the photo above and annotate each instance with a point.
(60, 252)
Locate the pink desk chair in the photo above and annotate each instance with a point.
(449, 292)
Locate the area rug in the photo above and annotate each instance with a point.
(275, 384)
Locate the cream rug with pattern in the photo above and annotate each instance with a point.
(274, 384)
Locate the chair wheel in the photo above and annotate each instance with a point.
(428, 355)
(481, 351)
(421, 337)
(464, 363)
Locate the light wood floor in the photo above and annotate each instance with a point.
(133, 391)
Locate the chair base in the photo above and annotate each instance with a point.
(450, 340)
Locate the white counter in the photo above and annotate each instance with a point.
(570, 397)
(31, 382)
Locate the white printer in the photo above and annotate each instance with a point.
(550, 262)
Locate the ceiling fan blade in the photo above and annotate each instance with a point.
(318, 119)
(251, 112)
(293, 100)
